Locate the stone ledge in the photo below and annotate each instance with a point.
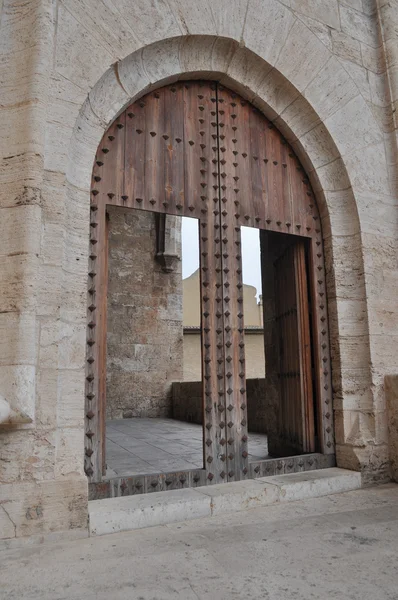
(146, 510)
(161, 508)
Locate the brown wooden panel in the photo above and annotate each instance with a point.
(107, 183)
(202, 191)
(232, 289)
(154, 176)
(304, 343)
(173, 149)
(134, 159)
(296, 419)
(323, 384)
(198, 149)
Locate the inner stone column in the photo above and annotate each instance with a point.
(145, 332)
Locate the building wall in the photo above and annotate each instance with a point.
(324, 73)
(254, 340)
(254, 350)
(188, 404)
(191, 308)
(144, 339)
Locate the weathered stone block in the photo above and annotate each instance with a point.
(147, 510)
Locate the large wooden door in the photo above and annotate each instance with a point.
(296, 427)
(198, 149)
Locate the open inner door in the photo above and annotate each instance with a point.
(296, 408)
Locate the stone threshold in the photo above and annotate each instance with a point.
(162, 508)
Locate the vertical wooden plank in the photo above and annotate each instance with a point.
(297, 424)
(154, 151)
(107, 184)
(304, 342)
(202, 194)
(174, 149)
(95, 333)
(135, 150)
(233, 129)
(322, 363)
(102, 339)
(258, 198)
(196, 146)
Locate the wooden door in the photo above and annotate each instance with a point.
(296, 431)
(197, 149)
(161, 155)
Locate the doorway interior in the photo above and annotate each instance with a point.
(224, 373)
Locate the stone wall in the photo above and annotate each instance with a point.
(144, 339)
(254, 354)
(192, 356)
(323, 72)
(188, 403)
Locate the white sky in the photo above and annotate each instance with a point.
(251, 268)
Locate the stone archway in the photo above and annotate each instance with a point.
(280, 100)
(195, 148)
(336, 114)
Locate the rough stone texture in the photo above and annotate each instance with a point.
(328, 79)
(144, 340)
(188, 404)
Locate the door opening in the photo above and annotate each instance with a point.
(153, 412)
(278, 345)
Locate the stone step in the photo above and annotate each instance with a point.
(161, 508)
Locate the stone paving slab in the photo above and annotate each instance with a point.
(137, 446)
(341, 547)
(310, 484)
(161, 508)
(147, 510)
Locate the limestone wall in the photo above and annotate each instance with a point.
(144, 340)
(188, 404)
(324, 72)
(254, 355)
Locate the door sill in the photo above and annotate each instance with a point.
(163, 508)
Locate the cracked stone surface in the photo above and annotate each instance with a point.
(341, 546)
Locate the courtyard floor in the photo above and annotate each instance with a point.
(343, 546)
(136, 446)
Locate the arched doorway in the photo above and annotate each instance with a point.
(197, 149)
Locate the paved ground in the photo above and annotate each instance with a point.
(135, 446)
(341, 547)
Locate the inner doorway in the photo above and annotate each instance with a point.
(150, 257)
(198, 150)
